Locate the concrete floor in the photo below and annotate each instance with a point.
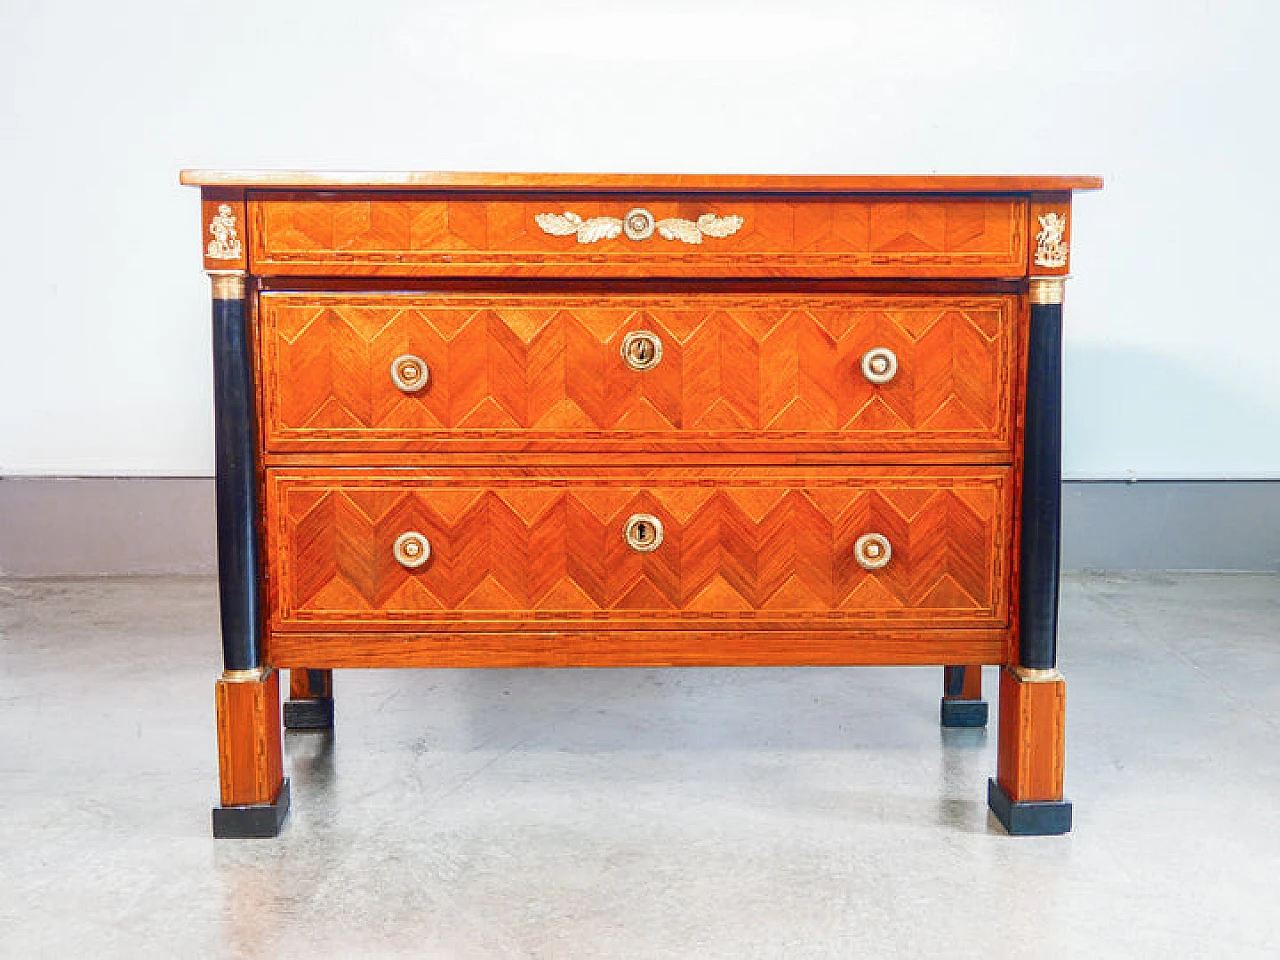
(647, 813)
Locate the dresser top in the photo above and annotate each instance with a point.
(727, 183)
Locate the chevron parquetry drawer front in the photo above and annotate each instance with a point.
(548, 420)
(648, 549)
(557, 371)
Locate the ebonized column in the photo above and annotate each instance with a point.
(237, 483)
(1042, 480)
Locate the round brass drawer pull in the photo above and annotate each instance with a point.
(880, 365)
(411, 550)
(872, 550)
(643, 532)
(641, 350)
(409, 373)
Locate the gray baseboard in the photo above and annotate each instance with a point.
(1219, 525)
(108, 526)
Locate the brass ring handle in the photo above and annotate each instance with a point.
(409, 373)
(641, 350)
(643, 532)
(880, 365)
(411, 550)
(872, 551)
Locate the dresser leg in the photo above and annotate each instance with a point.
(310, 703)
(1026, 795)
(254, 792)
(962, 703)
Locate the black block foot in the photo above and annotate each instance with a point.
(964, 713)
(315, 713)
(1029, 819)
(260, 821)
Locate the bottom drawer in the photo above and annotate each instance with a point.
(654, 549)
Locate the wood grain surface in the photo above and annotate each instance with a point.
(763, 548)
(711, 646)
(538, 373)
(1032, 738)
(494, 234)
(250, 761)
(767, 183)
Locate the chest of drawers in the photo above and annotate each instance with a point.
(543, 420)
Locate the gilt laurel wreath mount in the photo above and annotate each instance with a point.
(638, 224)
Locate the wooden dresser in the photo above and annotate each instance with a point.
(550, 420)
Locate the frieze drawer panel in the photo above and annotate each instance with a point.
(449, 552)
(733, 372)
(550, 420)
(637, 236)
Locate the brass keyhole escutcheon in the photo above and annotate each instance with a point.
(411, 550)
(643, 532)
(409, 373)
(872, 551)
(879, 365)
(641, 350)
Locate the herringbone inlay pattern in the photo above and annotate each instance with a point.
(773, 548)
(849, 236)
(750, 369)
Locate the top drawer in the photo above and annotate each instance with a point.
(648, 235)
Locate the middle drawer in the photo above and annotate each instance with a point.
(793, 373)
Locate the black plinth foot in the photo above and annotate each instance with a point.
(260, 821)
(314, 713)
(964, 713)
(1045, 818)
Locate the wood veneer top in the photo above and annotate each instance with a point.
(357, 180)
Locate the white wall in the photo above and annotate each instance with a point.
(1173, 336)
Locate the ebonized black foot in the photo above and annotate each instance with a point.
(1044, 818)
(964, 713)
(313, 713)
(260, 821)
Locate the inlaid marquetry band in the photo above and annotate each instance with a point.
(1032, 675)
(638, 224)
(252, 675)
(227, 284)
(1047, 290)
